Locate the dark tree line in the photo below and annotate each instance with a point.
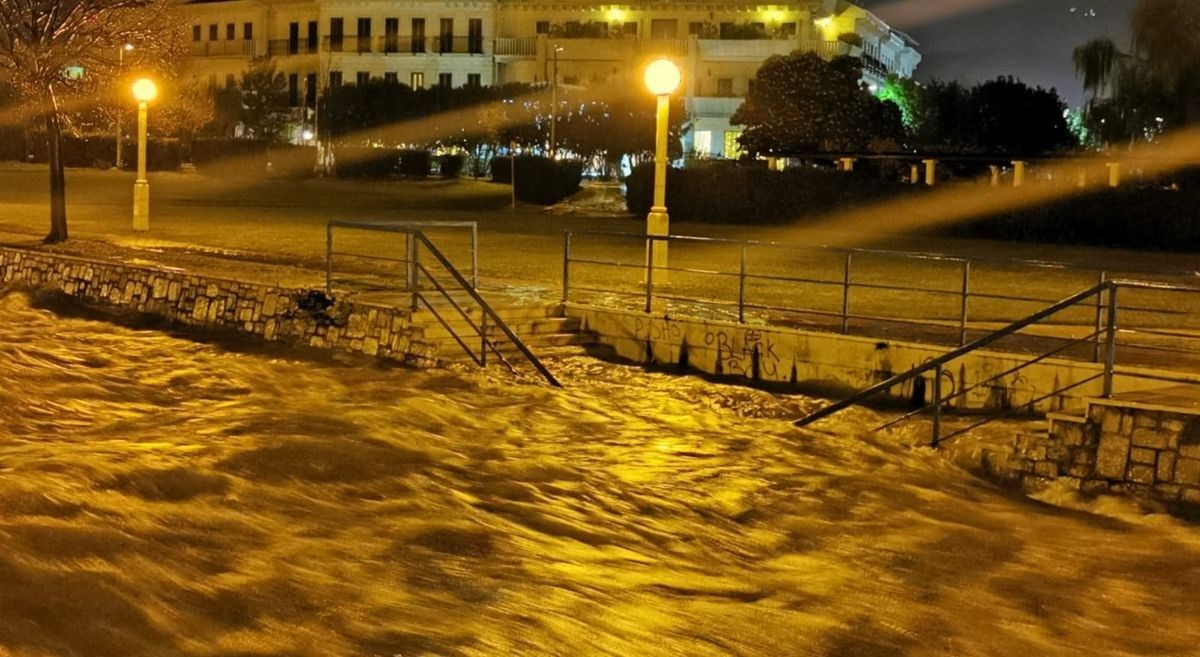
(802, 104)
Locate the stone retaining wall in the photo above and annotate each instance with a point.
(300, 317)
(1139, 448)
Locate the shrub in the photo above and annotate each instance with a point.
(727, 192)
(230, 156)
(540, 180)
(415, 163)
(450, 165)
(364, 162)
(1148, 217)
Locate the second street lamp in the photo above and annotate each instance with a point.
(144, 91)
(662, 78)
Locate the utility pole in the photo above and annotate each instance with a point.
(120, 71)
(554, 104)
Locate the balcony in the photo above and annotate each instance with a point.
(713, 106)
(235, 48)
(745, 49)
(287, 47)
(827, 49)
(397, 44)
(516, 47)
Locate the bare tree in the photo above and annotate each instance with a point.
(55, 48)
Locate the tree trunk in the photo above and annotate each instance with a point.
(58, 181)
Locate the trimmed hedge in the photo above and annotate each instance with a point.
(727, 192)
(540, 180)
(230, 156)
(365, 162)
(1149, 217)
(450, 165)
(416, 163)
(101, 152)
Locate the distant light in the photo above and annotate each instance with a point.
(874, 88)
(774, 15)
(307, 135)
(73, 72)
(616, 15)
(662, 77)
(144, 90)
(128, 47)
(1159, 119)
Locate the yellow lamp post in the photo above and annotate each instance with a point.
(662, 78)
(144, 91)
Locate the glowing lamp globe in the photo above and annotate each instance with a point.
(145, 90)
(662, 77)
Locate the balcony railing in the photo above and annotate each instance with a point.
(235, 48)
(403, 44)
(518, 46)
(287, 47)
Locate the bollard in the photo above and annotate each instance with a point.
(995, 175)
(1018, 173)
(930, 172)
(914, 174)
(1114, 174)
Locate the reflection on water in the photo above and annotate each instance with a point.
(166, 497)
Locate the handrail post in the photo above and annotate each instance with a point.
(649, 274)
(329, 258)
(966, 291)
(1099, 317)
(937, 406)
(846, 294)
(566, 273)
(475, 255)
(410, 273)
(483, 341)
(1110, 351)
(742, 288)
(416, 284)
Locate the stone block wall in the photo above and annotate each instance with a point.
(300, 317)
(1139, 448)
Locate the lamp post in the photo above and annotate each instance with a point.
(144, 91)
(662, 78)
(120, 68)
(554, 104)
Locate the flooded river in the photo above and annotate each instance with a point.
(165, 496)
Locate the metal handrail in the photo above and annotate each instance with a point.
(939, 362)
(420, 239)
(405, 228)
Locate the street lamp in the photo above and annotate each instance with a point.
(120, 69)
(662, 78)
(144, 91)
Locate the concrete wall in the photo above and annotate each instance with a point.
(832, 364)
(269, 312)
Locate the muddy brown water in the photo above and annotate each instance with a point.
(161, 495)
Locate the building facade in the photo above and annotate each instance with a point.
(719, 45)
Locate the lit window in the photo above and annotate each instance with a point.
(733, 150)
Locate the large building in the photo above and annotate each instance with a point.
(718, 44)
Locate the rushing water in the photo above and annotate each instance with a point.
(163, 496)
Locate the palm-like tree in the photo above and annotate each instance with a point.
(1096, 62)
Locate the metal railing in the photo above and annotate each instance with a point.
(1105, 297)
(382, 263)
(235, 47)
(926, 297)
(429, 290)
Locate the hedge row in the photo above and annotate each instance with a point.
(375, 163)
(99, 152)
(540, 180)
(726, 192)
(1148, 217)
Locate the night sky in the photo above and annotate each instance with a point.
(974, 40)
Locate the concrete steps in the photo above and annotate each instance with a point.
(542, 327)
